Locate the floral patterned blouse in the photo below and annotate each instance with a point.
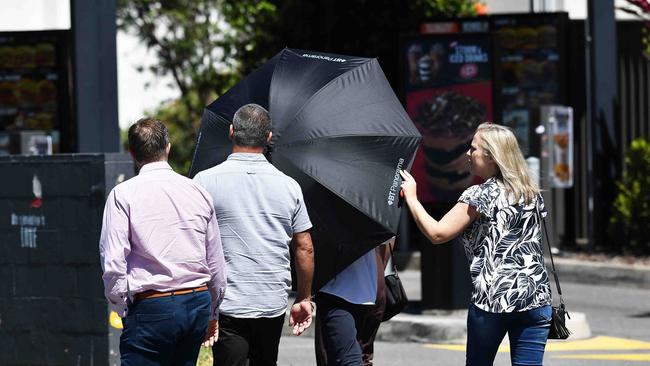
(503, 246)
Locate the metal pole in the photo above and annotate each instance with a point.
(95, 75)
(603, 130)
(589, 130)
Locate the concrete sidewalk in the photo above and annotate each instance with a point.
(438, 326)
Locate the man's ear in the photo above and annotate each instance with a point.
(268, 139)
(168, 148)
(135, 162)
(231, 132)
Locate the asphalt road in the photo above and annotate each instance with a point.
(619, 319)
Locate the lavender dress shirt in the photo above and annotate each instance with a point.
(160, 233)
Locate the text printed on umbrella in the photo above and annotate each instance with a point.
(323, 57)
(393, 187)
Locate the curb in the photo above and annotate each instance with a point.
(570, 270)
(423, 329)
(596, 273)
(450, 329)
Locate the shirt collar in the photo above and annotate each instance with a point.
(247, 157)
(156, 165)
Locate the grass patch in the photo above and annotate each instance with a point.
(205, 357)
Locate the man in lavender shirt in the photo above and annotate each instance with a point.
(162, 258)
(262, 216)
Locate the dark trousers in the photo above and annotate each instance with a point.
(527, 331)
(347, 324)
(165, 330)
(244, 341)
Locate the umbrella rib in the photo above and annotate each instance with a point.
(380, 102)
(330, 137)
(323, 88)
(198, 139)
(336, 193)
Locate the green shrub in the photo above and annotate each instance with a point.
(630, 221)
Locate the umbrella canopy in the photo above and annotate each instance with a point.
(340, 132)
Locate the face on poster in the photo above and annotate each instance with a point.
(448, 94)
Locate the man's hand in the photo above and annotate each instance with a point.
(300, 316)
(212, 334)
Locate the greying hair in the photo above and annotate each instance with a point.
(251, 125)
(500, 143)
(148, 139)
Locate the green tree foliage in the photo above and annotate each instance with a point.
(206, 46)
(632, 204)
(448, 8)
(199, 44)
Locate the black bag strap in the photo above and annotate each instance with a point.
(550, 253)
(392, 261)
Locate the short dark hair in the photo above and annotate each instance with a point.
(148, 139)
(251, 125)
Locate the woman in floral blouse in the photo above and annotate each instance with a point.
(499, 224)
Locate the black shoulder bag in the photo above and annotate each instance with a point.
(396, 299)
(559, 313)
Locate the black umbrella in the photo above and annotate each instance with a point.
(340, 132)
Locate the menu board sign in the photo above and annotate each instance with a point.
(528, 72)
(558, 122)
(448, 94)
(33, 84)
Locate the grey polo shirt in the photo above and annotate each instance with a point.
(258, 209)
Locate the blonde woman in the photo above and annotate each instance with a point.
(499, 225)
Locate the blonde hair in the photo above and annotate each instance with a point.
(501, 145)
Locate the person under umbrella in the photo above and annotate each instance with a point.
(350, 310)
(340, 132)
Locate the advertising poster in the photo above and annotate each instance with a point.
(33, 83)
(558, 122)
(528, 71)
(448, 93)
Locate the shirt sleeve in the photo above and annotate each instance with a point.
(198, 178)
(478, 198)
(541, 206)
(300, 220)
(216, 264)
(114, 247)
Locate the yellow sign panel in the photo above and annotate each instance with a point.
(115, 321)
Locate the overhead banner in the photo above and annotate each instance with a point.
(448, 93)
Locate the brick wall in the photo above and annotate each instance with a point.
(52, 307)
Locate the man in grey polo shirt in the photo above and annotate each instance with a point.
(260, 212)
